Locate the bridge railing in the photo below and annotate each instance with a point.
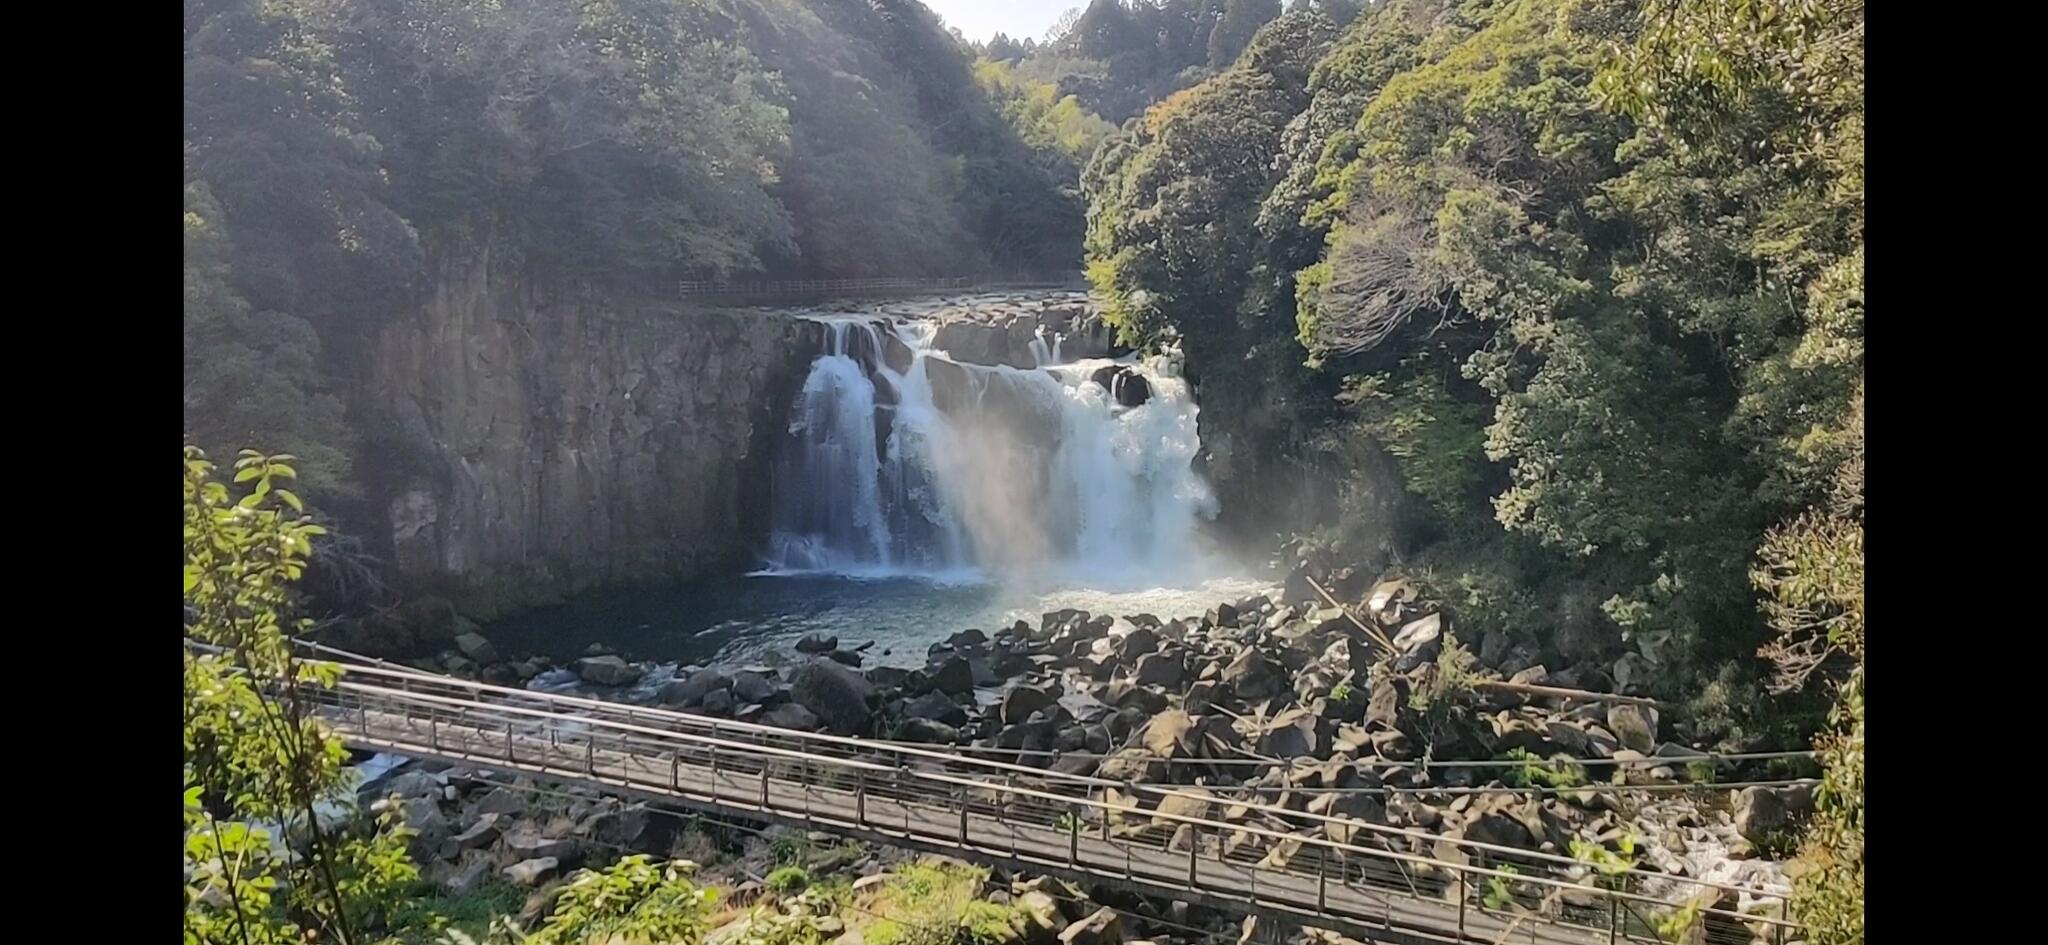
(1482, 880)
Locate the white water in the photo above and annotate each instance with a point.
(961, 472)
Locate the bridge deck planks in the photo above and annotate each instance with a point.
(1362, 911)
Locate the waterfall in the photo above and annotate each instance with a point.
(901, 461)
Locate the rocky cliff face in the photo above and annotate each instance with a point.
(533, 442)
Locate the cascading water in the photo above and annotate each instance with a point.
(901, 461)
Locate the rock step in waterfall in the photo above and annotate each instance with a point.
(904, 457)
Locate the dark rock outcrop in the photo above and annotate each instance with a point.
(841, 698)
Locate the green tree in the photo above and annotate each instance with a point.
(254, 377)
(1811, 571)
(1233, 31)
(267, 858)
(1603, 349)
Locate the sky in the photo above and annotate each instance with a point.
(982, 19)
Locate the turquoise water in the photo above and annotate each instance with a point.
(737, 618)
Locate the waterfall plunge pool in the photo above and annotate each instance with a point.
(739, 618)
(916, 495)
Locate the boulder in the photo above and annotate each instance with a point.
(1393, 745)
(1132, 764)
(607, 671)
(502, 800)
(1035, 735)
(841, 698)
(1252, 676)
(750, 687)
(1042, 913)
(972, 342)
(817, 643)
(954, 676)
(927, 731)
(1383, 708)
(1104, 927)
(1635, 726)
(718, 702)
(1167, 733)
(1222, 615)
(617, 826)
(936, 707)
(1497, 826)
(1343, 808)
(790, 715)
(1019, 702)
(533, 872)
(524, 845)
(1419, 633)
(1763, 814)
(483, 833)
(467, 874)
(1189, 802)
(1136, 642)
(1126, 693)
(1158, 669)
(475, 647)
(415, 783)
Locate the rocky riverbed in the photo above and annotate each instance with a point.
(1298, 710)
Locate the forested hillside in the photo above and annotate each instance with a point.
(1116, 57)
(338, 154)
(1588, 274)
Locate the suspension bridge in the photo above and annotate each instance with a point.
(1364, 880)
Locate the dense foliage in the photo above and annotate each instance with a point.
(341, 154)
(1119, 56)
(272, 852)
(1596, 296)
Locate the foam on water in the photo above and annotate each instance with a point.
(903, 463)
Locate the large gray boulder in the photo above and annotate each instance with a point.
(1158, 669)
(607, 671)
(1020, 701)
(790, 715)
(692, 689)
(475, 647)
(1763, 814)
(955, 676)
(1252, 676)
(750, 687)
(527, 845)
(927, 731)
(841, 698)
(936, 707)
(1635, 726)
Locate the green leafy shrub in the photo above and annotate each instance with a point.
(427, 910)
(253, 751)
(1499, 895)
(789, 848)
(1560, 772)
(788, 879)
(632, 900)
(931, 903)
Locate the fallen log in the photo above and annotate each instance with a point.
(1494, 685)
(1563, 693)
(1372, 632)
